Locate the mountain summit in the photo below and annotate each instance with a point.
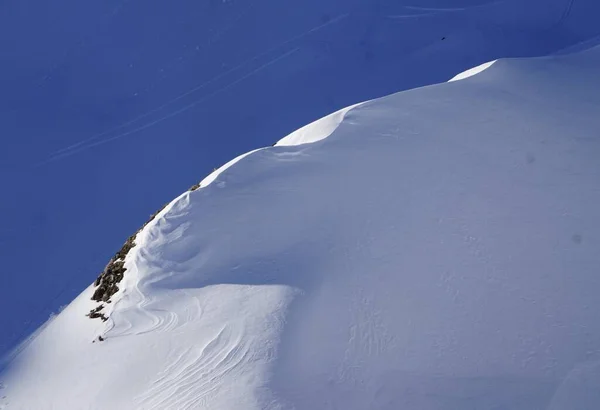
(433, 249)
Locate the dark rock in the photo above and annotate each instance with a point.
(196, 186)
(95, 313)
(107, 282)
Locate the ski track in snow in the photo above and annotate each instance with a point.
(146, 114)
(143, 318)
(88, 142)
(170, 115)
(410, 16)
(140, 316)
(436, 11)
(454, 9)
(567, 12)
(192, 378)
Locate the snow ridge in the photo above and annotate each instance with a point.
(393, 262)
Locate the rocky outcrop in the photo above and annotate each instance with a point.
(107, 283)
(96, 313)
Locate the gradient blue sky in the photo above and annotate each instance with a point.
(146, 97)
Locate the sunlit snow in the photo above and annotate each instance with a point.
(437, 251)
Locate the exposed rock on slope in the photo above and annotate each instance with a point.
(436, 250)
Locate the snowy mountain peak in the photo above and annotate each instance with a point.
(433, 249)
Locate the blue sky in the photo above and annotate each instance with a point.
(110, 109)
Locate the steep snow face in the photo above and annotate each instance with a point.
(439, 250)
(167, 90)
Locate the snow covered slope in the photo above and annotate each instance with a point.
(439, 250)
(91, 91)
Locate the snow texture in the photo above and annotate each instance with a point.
(438, 250)
(109, 109)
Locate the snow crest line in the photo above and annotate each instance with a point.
(140, 303)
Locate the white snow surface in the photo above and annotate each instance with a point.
(471, 72)
(316, 130)
(439, 250)
(213, 175)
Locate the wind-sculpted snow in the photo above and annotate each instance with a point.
(110, 108)
(317, 130)
(437, 250)
(471, 72)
